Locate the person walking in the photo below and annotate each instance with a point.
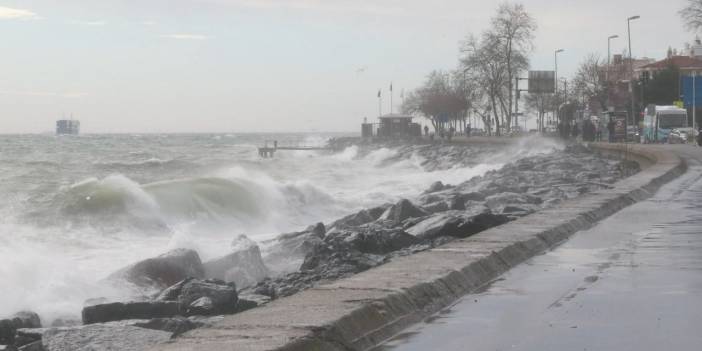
(426, 130)
(576, 131)
(699, 137)
(610, 130)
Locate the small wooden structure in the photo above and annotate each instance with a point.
(392, 126)
(268, 151)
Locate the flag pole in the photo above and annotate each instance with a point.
(391, 94)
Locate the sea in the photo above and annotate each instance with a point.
(74, 209)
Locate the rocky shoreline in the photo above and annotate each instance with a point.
(183, 293)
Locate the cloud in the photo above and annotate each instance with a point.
(67, 95)
(90, 23)
(10, 13)
(184, 36)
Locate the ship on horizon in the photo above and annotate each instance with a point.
(67, 127)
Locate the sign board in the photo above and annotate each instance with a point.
(620, 127)
(542, 82)
(687, 91)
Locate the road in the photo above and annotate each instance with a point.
(633, 282)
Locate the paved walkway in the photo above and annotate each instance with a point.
(633, 282)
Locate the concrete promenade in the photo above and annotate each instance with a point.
(632, 282)
(365, 310)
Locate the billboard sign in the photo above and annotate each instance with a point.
(687, 83)
(542, 82)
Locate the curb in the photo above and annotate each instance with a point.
(362, 311)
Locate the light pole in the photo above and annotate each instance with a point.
(609, 53)
(555, 62)
(631, 63)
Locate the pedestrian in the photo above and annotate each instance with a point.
(468, 129)
(576, 131)
(699, 137)
(426, 130)
(610, 130)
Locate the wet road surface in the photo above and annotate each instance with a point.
(633, 282)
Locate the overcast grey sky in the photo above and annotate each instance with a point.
(268, 65)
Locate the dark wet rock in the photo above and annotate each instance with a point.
(7, 332)
(130, 310)
(458, 203)
(175, 326)
(202, 297)
(356, 219)
(503, 199)
(34, 346)
(103, 337)
(244, 266)
(164, 270)
(26, 319)
(402, 210)
(318, 230)
(27, 336)
(286, 252)
(20, 320)
(439, 206)
(434, 187)
(378, 211)
(455, 224)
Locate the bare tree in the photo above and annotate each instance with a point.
(590, 81)
(496, 59)
(438, 100)
(513, 34)
(692, 15)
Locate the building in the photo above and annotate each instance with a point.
(67, 127)
(392, 126)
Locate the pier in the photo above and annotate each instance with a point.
(267, 150)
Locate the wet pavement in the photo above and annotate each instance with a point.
(633, 282)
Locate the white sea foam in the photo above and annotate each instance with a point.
(61, 235)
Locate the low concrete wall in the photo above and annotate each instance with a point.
(362, 311)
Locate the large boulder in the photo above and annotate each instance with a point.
(163, 271)
(103, 337)
(131, 310)
(176, 325)
(9, 326)
(202, 297)
(285, 253)
(455, 224)
(244, 266)
(509, 198)
(401, 211)
(26, 319)
(7, 332)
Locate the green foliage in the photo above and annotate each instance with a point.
(663, 87)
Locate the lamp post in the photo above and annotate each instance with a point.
(555, 62)
(609, 53)
(631, 63)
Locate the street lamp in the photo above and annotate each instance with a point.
(555, 61)
(609, 45)
(631, 63)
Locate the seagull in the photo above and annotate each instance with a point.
(362, 69)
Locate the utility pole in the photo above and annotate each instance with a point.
(631, 65)
(609, 55)
(555, 61)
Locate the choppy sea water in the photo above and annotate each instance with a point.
(75, 209)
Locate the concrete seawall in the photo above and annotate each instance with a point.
(362, 311)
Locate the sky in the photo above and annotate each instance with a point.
(230, 66)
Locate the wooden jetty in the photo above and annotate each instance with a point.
(268, 151)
